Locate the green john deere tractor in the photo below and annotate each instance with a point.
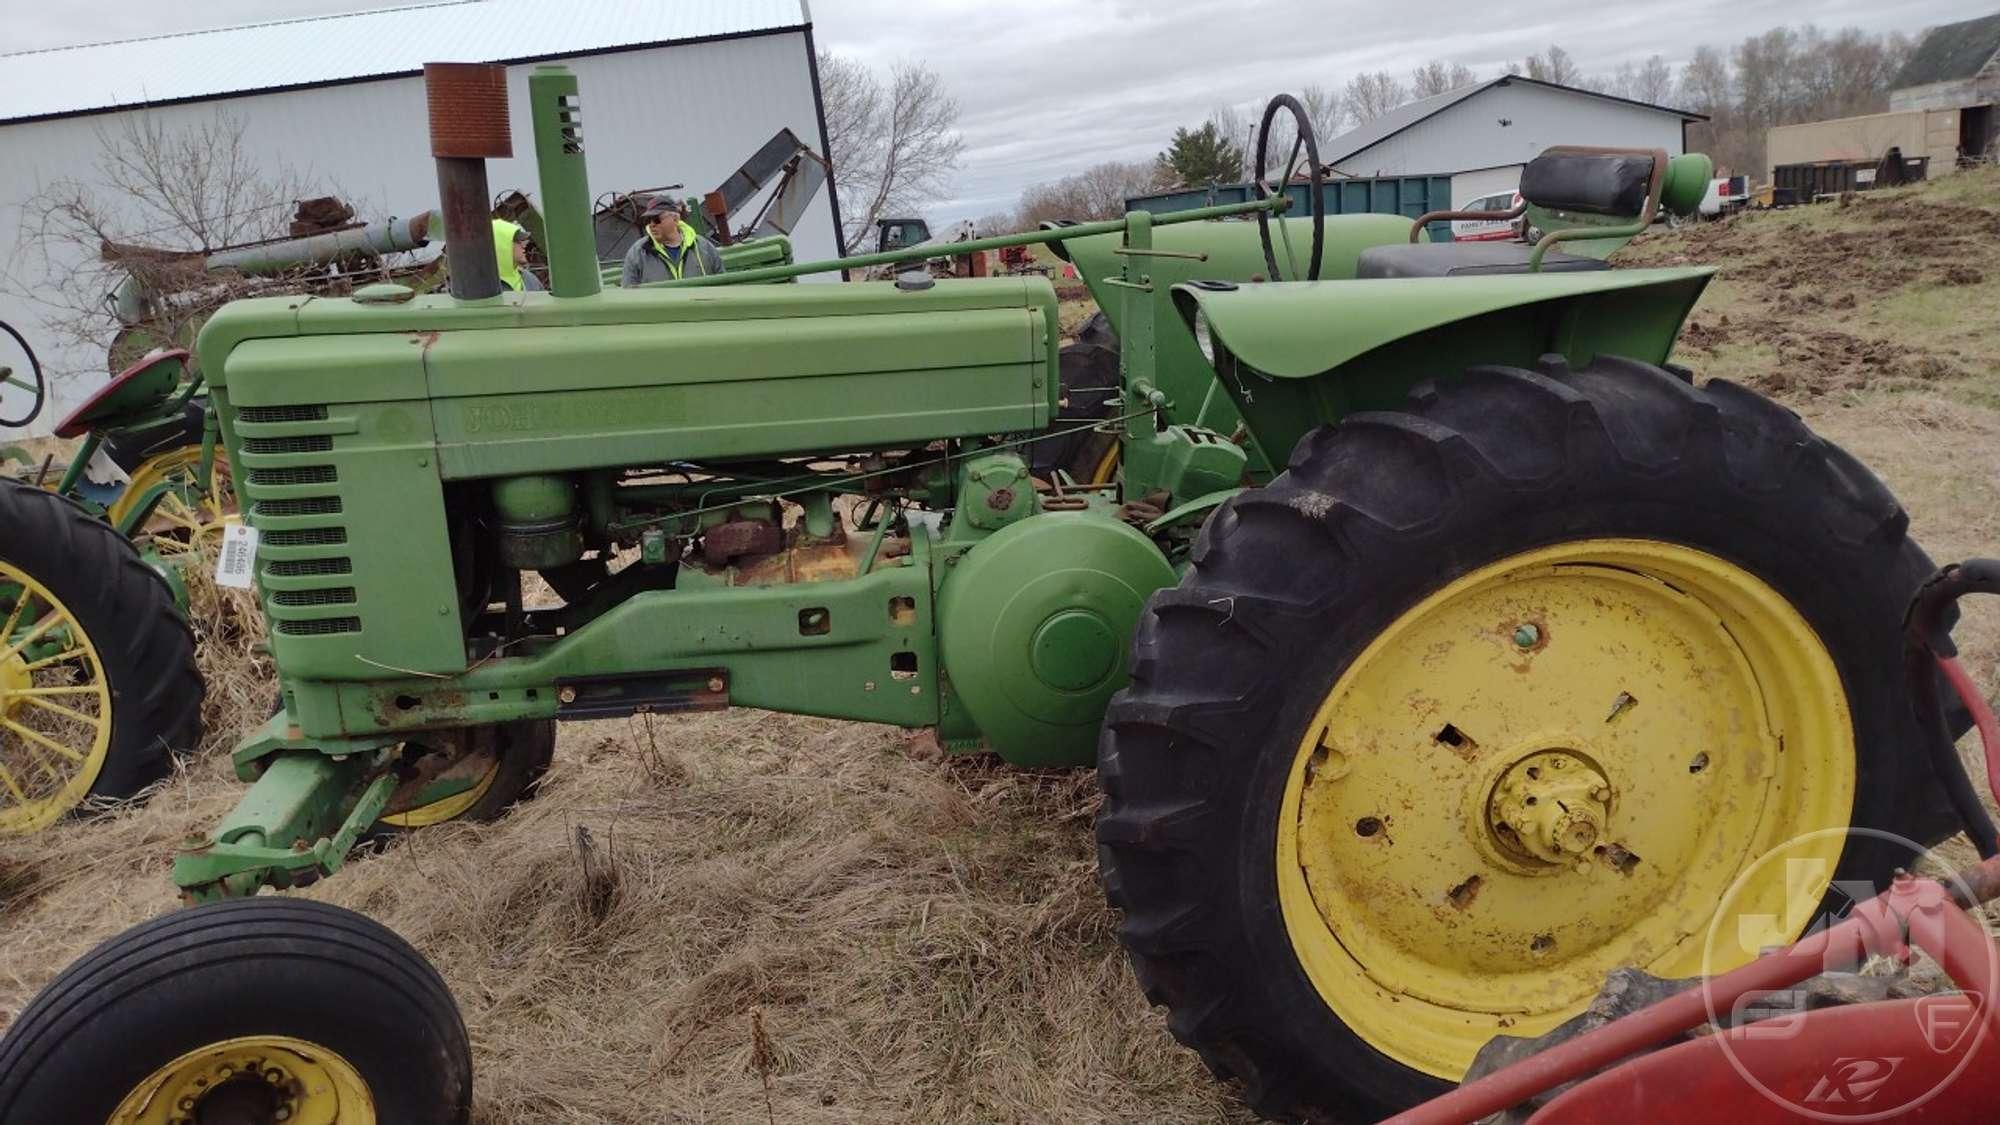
(1440, 647)
(98, 685)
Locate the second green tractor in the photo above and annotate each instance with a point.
(1441, 647)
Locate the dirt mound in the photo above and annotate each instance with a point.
(1877, 290)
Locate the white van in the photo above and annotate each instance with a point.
(1495, 229)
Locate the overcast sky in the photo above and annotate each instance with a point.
(1049, 88)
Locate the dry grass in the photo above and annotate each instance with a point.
(918, 938)
(922, 939)
(796, 920)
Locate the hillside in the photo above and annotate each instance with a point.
(923, 938)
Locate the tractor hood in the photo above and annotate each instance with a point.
(1294, 331)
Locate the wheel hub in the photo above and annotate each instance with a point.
(1550, 808)
(255, 1080)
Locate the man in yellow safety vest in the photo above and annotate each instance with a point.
(510, 246)
(669, 250)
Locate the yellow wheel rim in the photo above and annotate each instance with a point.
(55, 706)
(1553, 767)
(266, 1077)
(184, 516)
(452, 807)
(1107, 467)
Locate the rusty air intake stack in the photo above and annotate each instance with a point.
(468, 112)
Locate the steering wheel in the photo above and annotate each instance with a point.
(32, 383)
(1315, 199)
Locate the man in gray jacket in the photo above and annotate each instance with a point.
(670, 249)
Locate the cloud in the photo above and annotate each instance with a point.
(1048, 89)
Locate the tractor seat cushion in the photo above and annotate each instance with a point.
(1463, 259)
(1597, 183)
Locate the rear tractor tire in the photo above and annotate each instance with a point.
(256, 1011)
(1485, 698)
(99, 690)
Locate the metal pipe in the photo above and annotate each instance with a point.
(1027, 238)
(468, 121)
(468, 228)
(571, 239)
(387, 237)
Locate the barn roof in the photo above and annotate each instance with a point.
(1367, 136)
(355, 46)
(1952, 51)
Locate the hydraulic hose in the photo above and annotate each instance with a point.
(1927, 649)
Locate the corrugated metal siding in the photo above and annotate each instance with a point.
(1469, 134)
(358, 45)
(687, 114)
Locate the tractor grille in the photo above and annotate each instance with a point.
(310, 537)
(331, 595)
(279, 478)
(293, 499)
(264, 414)
(306, 568)
(310, 506)
(317, 443)
(320, 626)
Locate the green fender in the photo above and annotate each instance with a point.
(1223, 250)
(1294, 356)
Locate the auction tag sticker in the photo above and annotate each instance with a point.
(238, 560)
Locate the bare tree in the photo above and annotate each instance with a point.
(999, 222)
(1369, 96)
(1780, 77)
(158, 200)
(1323, 108)
(893, 147)
(1437, 77)
(1098, 192)
(1238, 129)
(1654, 82)
(852, 99)
(1554, 65)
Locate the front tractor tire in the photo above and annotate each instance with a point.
(505, 762)
(257, 1011)
(1480, 700)
(99, 690)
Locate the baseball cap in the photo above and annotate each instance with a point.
(659, 205)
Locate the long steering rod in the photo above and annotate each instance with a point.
(952, 249)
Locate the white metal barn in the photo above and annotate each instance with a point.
(1481, 135)
(672, 92)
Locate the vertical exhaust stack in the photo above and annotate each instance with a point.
(566, 223)
(468, 111)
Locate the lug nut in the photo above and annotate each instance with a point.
(566, 694)
(715, 683)
(1527, 635)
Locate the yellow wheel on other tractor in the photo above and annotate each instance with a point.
(1485, 698)
(186, 515)
(98, 685)
(55, 706)
(262, 1011)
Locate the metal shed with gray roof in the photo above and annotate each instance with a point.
(1482, 134)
